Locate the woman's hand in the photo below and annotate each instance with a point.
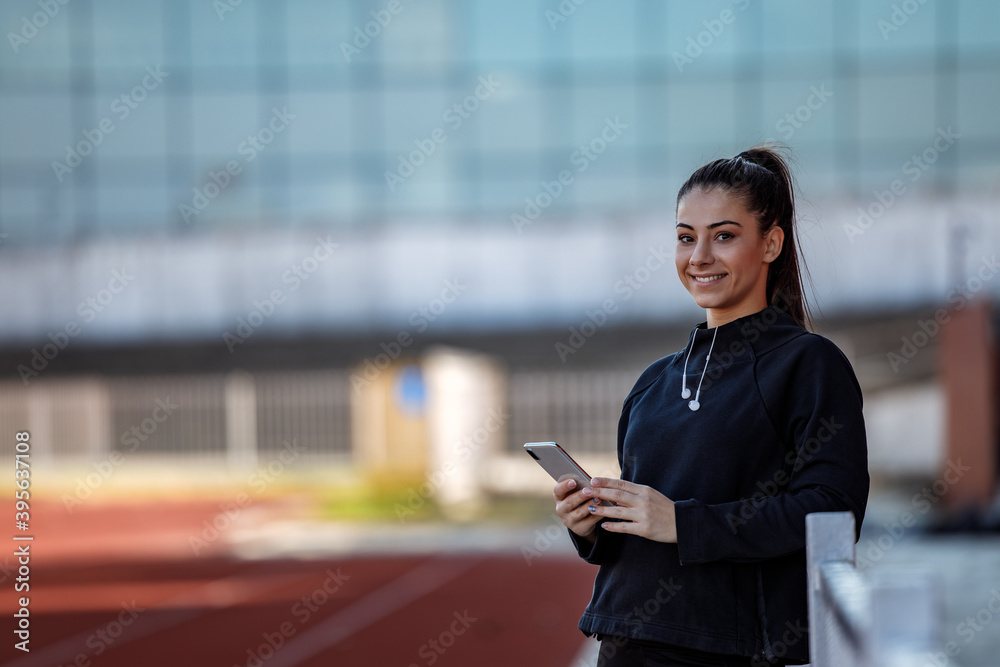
(571, 506)
(643, 510)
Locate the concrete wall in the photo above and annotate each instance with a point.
(481, 274)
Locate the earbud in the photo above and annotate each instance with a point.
(685, 392)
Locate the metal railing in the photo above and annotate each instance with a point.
(886, 620)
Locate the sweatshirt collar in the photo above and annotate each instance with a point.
(761, 331)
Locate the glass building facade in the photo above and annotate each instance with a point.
(135, 117)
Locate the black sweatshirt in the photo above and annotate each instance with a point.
(779, 434)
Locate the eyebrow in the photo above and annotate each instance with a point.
(713, 225)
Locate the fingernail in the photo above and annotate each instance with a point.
(587, 491)
(595, 482)
(572, 483)
(592, 508)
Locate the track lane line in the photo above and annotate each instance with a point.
(69, 647)
(393, 596)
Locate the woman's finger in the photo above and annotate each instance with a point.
(615, 483)
(621, 527)
(563, 489)
(611, 494)
(611, 511)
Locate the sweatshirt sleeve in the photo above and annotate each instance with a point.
(813, 398)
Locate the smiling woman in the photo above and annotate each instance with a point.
(721, 259)
(739, 215)
(715, 486)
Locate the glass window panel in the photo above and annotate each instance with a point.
(599, 30)
(514, 118)
(978, 101)
(39, 41)
(978, 21)
(916, 162)
(607, 181)
(792, 27)
(21, 203)
(322, 122)
(880, 163)
(330, 197)
(33, 208)
(502, 198)
(231, 40)
(427, 188)
(815, 165)
(222, 123)
(211, 80)
(605, 111)
(896, 107)
(696, 32)
(127, 33)
(506, 31)
(701, 112)
(422, 37)
(412, 115)
(316, 29)
(651, 119)
(36, 126)
(134, 207)
(800, 110)
(138, 131)
(886, 27)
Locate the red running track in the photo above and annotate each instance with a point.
(130, 607)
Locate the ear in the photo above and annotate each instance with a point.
(774, 240)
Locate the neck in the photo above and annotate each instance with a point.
(718, 316)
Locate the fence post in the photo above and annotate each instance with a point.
(890, 619)
(241, 421)
(829, 538)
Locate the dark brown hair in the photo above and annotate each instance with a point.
(760, 177)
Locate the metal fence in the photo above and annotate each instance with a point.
(239, 417)
(232, 417)
(887, 620)
(577, 408)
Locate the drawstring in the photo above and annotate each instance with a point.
(685, 392)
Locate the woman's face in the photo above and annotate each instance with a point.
(721, 257)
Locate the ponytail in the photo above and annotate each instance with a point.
(761, 178)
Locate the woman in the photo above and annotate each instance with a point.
(725, 446)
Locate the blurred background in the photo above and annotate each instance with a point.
(288, 284)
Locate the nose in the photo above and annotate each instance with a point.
(702, 253)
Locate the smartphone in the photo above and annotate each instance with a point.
(559, 464)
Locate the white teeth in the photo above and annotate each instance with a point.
(709, 279)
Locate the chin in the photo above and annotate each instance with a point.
(709, 301)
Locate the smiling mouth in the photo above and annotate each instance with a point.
(706, 280)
